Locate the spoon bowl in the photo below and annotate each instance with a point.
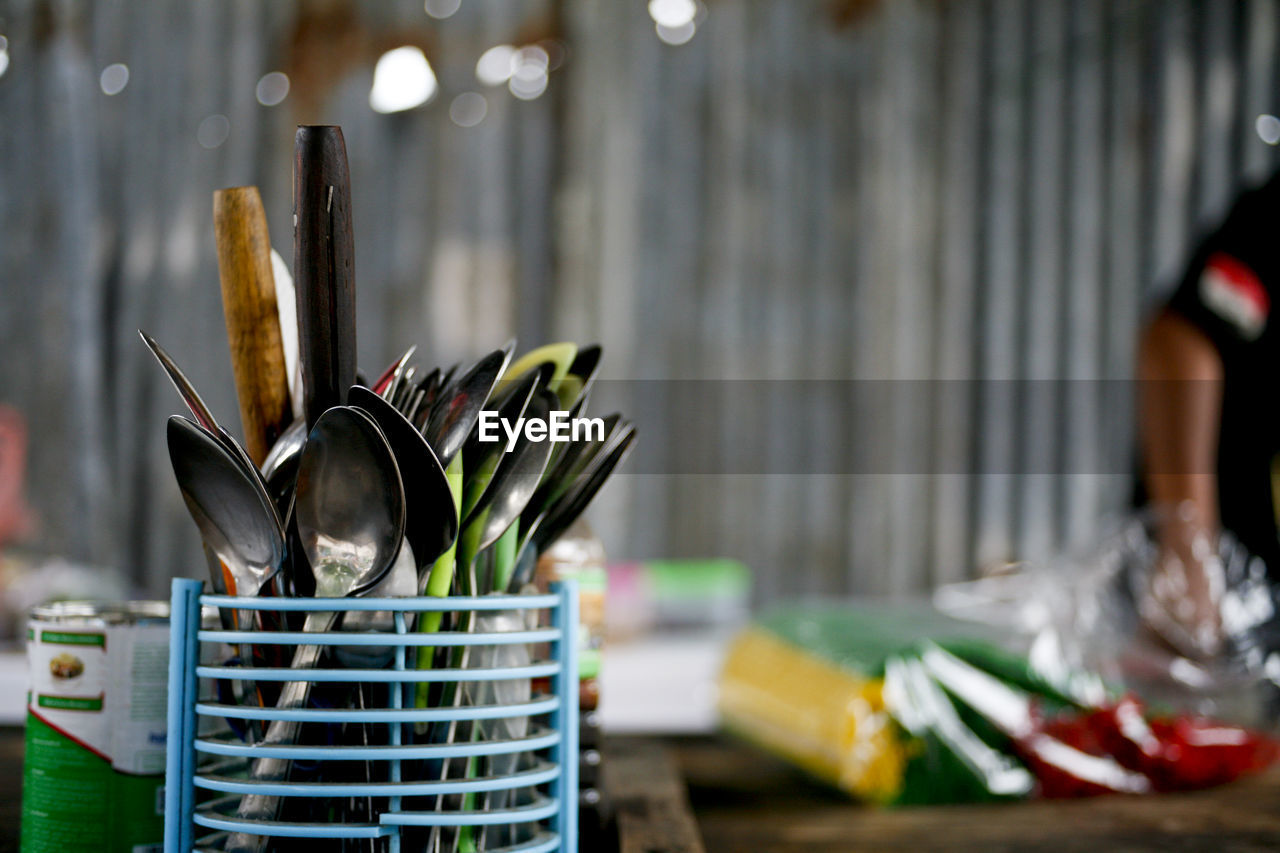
(431, 520)
(235, 516)
(460, 404)
(349, 503)
(349, 516)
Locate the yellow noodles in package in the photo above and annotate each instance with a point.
(824, 718)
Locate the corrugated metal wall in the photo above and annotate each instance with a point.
(953, 211)
(963, 208)
(106, 224)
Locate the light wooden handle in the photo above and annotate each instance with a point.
(253, 324)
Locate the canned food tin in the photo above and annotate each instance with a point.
(95, 740)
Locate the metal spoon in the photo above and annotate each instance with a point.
(350, 519)
(539, 527)
(197, 406)
(280, 468)
(432, 521)
(577, 383)
(235, 516)
(480, 458)
(349, 503)
(393, 370)
(566, 507)
(400, 391)
(236, 519)
(561, 355)
(451, 422)
(566, 466)
(573, 446)
(428, 390)
(400, 582)
(514, 482)
(180, 382)
(586, 365)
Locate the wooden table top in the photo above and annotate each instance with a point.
(744, 801)
(10, 786)
(690, 795)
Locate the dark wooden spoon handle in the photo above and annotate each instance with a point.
(324, 266)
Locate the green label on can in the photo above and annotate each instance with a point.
(137, 812)
(70, 703)
(65, 793)
(73, 638)
(95, 741)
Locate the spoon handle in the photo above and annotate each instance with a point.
(323, 265)
(183, 385)
(253, 321)
(293, 696)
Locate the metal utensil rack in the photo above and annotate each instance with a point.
(556, 743)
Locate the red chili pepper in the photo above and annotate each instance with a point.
(1116, 748)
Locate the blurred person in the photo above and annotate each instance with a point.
(1208, 365)
(15, 517)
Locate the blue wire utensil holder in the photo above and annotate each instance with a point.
(200, 796)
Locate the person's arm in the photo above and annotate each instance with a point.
(1179, 411)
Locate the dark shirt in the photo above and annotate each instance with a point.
(1230, 292)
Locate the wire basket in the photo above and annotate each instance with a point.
(209, 751)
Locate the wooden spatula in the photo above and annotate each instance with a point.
(253, 323)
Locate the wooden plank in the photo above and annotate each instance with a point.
(642, 783)
(597, 286)
(745, 800)
(678, 208)
(723, 278)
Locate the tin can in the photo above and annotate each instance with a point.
(96, 727)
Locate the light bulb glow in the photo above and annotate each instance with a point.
(402, 80)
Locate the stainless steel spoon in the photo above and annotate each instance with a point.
(287, 446)
(393, 370)
(349, 509)
(198, 408)
(349, 503)
(280, 468)
(180, 382)
(569, 463)
(420, 405)
(460, 406)
(236, 519)
(480, 458)
(235, 516)
(541, 526)
(431, 519)
(585, 366)
(515, 480)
